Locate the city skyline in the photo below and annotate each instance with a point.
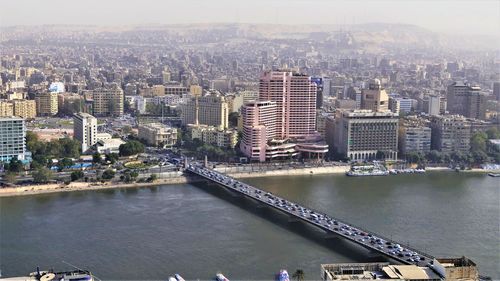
(476, 17)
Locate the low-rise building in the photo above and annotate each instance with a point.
(415, 136)
(24, 108)
(214, 136)
(47, 103)
(108, 146)
(6, 108)
(378, 271)
(157, 134)
(450, 133)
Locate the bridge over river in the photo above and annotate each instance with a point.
(327, 223)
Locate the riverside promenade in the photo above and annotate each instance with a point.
(167, 178)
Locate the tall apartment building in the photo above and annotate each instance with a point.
(85, 130)
(295, 98)
(467, 100)
(374, 98)
(259, 127)
(450, 133)
(360, 134)
(6, 108)
(12, 138)
(496, 90)
(414, 137)
(107, 102)
(24, 108)
(209, 110)
(156, 134)
(432, 105)
(47, 103)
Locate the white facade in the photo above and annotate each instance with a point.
(85, 130)
(12, 138)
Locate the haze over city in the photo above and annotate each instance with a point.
(457, 17)
(249, 140)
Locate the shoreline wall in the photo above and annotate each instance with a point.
(180, 178)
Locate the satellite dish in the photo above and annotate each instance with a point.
(48, 277)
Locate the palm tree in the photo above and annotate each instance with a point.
(298, 275)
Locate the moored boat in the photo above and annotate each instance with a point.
(50, 275)
(220, 277)
(282, 276)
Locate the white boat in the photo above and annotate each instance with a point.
(282, 276)
(75, 275)
(178, 277)
(220, 277)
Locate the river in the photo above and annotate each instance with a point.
(197, 230)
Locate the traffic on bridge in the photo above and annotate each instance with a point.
(370, 240)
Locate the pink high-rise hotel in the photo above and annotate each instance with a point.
(283, 120)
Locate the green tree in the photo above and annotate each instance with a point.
(152, 178)
(42, 175)
(299, 275)
(478, 142)
(493, 133)
(112, 157)
(108, 174)
(14, 166)
(96, 158)
(69, 148)
(76, 175)
(131, 148)
(64, 163)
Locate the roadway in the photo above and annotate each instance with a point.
(360, 236)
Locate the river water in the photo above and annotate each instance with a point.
(198, 230)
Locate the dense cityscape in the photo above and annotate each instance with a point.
(102, 108)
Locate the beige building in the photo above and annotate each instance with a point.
(374, 98)
(460, 269)
(107, 102)
(234, 102)
(450, 133)
(196, 90)
(6, 109)
(361, 134)
(47, 104)
(211, 110)
(175, 90)
(213, 135)
(156, 134)
(25, 108)
(380, 270)
(414, 135)
(158, 90)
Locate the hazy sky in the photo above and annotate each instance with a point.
(473, 16)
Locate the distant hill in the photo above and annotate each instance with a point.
(369, 35)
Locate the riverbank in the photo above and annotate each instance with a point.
(177, 178)
(180, 178)
(84, 186)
